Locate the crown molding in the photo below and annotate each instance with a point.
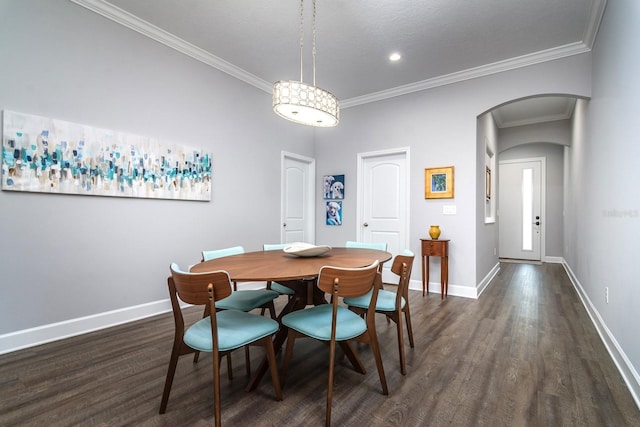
(130, 21)
(134, 23)
(593, 23)
(472, 73)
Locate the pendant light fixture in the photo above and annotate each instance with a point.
(302, 103)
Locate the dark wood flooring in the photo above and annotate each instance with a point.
(524, 354)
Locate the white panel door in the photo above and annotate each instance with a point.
(297, 196)
(520, 202)
(383, 199)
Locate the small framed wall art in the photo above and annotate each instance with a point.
(334, 212)
(438, 183)
(333, 187)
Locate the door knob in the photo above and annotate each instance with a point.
(365, 224)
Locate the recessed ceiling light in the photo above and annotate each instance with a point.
(395, 56)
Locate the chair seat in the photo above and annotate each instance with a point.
(316, 322)
(235, 329)
(247, 300)
(281, 289)
(386, 301)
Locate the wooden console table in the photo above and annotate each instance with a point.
(439, 248)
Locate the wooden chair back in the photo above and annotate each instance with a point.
(192, 288)
(402, 266)
(351, 282)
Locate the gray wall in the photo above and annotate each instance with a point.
(486, 232)
(440, 128)
(554, 204)
(602, 227)
(557, 132)
(64, 257)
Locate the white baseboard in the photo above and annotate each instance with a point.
(56, 331)
(486, 281)
(454, 290)
(622, 362)
(554, 259)
(31, 337)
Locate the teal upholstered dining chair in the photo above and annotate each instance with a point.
(392, 304)
(219, 253)
(220, 333)
(281, 289)
(245, 300)
(376, 246)
(334, 323)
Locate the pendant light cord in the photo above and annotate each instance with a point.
(313, 48)
(301, 36)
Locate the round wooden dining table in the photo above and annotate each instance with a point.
(297, 273)
(279, 266)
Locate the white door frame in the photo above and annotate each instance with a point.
(311, 187)
(362, 157)
(543, 197)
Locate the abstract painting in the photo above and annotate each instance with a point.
(47, 155)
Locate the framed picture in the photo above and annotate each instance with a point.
(438, 183)
(333, 187)
(334, 212)
(488, 189)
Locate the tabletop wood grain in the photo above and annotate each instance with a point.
(278, 265)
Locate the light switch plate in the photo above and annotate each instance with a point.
(449, 209)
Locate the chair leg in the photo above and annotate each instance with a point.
(398, 321)
(353, 357)
(272, 310)
(407, 318)
(376, 353)
(291, 337)
(332, 359)
(273, 367)
(216, 388)
(196, 356)
(229, 367)
(173, 363)
(247, 360)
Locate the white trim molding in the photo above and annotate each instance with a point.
(486, 281)
(31, 337)
(25, 338)
(122, 17)
(620, 359)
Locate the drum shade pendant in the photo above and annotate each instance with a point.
(302, 103)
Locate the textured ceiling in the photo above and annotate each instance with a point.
(441, 41)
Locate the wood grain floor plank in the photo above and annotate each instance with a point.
(524, 354)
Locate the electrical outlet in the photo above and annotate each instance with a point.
(606, 294)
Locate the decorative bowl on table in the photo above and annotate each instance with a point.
(306, 249)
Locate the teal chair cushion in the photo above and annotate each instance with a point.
(316, 322)
(274, 246)
(386, 301)
(235, 329)
(219, 253)
(247, 300)
(281, 289)
(377, 246)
